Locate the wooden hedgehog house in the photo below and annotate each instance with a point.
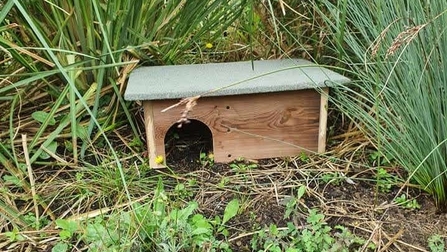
(259, 109)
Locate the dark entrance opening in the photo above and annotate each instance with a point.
(184, 145)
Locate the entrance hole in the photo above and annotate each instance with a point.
(183, 145)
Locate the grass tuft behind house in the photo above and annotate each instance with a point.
(396, 57)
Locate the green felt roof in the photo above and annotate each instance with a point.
(179, 81)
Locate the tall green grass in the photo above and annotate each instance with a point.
(395, 51)
(63, 70)
(92, 43)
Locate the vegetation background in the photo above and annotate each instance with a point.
(73, 174)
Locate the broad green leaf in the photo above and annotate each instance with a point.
(41, 116)
(51, 147)
(69, 225)
(14, 235)
(95, 232)
(64, 234)
(184, 214)
(198, 231)
(82, 132)
(290, 207)
(301, 191)
(230, 211)
(60, 247)
(201, 224)
(273, 229)
(314, 217)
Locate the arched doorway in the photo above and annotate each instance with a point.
(183, 145)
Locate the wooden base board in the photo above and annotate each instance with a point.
(252, 126)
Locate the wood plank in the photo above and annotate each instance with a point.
(323, 120)
(149, 124)
(252, 126)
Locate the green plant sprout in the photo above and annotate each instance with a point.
(332, 177)
(436, 243)
(206, 159)
(68, 231)
(223, 182)
(241, 165)
(182, 191)
(402, 201)
(314, 237)
(304, 157)
(292, 203)
(14, 235)
(384, 180)
(377, 158)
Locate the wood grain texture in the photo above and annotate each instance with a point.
(323, 120)
(251, 126)
(149, 124)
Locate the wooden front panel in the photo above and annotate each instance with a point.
(251, 126)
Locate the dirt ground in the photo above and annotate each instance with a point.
(352, 201)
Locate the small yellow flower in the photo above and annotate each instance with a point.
(159, 159)
(209, 45)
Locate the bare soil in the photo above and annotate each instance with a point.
(353, 202)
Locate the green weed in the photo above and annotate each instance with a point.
(384, 180)
(242, 166)
(206, 159)
(292, 204)
(402, 201)
(182, 191)
(14, 235)
(223, 182)
(153, 226)
(436, 243)
(315, 236)
(332, 177)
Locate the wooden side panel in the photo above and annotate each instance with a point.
(251, 126)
